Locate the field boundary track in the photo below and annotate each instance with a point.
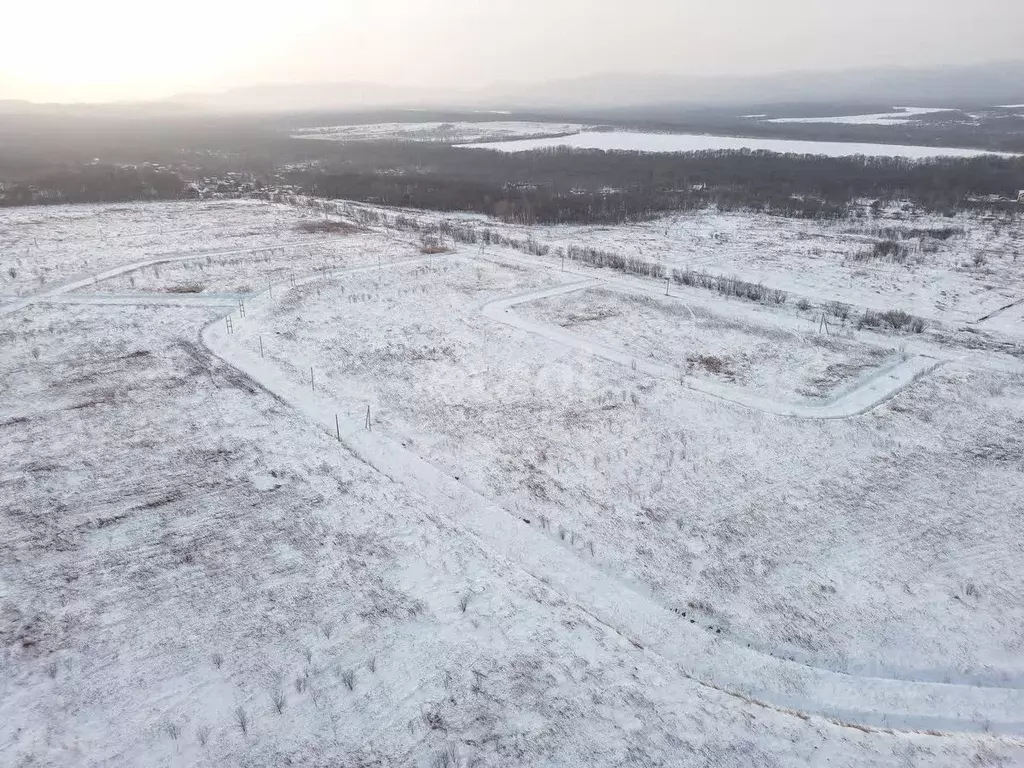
(870, 392)
(74, 284)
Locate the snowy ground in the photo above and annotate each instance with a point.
(635, 141)
(449, 133)
(976, 271)
(535, 556)
(628, 464)
(40, 247)
(900, 116)
(703, 343)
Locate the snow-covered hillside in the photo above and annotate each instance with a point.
(330, 486)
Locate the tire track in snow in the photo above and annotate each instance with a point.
(83, 282)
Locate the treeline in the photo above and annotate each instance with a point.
(433, 234)
(561, 186)
(95, 184)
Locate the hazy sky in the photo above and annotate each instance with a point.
(120, 49)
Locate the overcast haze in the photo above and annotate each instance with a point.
(74, 50)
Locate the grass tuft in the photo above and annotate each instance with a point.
(242, 720)
(279, 700)
(348, 677)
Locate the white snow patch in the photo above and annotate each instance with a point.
(900, 116)
(632, 141)
(455, 132)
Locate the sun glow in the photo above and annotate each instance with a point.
(118, 49)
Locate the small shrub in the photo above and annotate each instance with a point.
(892, 250)
(803, 305)
(889, 250)
(464, 602)
(324, 226)
(431, 244)
(711, 364)
(203, 734)
(372, 664)
(186, 288)
(242, 720)
(301, 682)
(896, 319)
(934, 233)
(449, 757)
(838, 309)
(279, 700)
(434, 720)
(869, 319)
(173, 730)
(348, 677)
(218, 660)
(405, 223)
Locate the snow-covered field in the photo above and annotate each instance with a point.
(632, 465)
(448, 133)
(900, 116)
(701, 342)
(371, 518)
(635, 141)
(40, 247)
(956, 270)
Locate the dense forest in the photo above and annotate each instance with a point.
(96, 184)
(555, 186)
(104, 158)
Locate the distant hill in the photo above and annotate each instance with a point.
(965, 86)
(311, 97)
(982, 85)
(953, 86)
